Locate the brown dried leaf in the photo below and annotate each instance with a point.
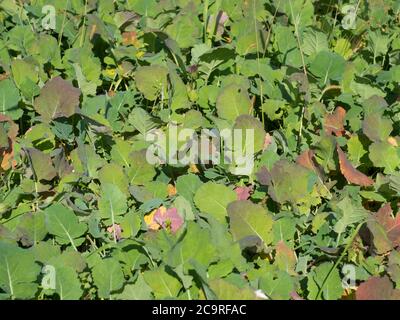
(375, 288)
(334, 123)
(7, 154)
(351, 174)
(390, 224)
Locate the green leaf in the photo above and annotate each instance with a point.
(247, 122)
(247, 219)
(277, 285)
(213, 198)
(58, 98)
(332, 288)
(377, 128)
(68, 285)
(64, 224)
(152, 81)
(107, 277)
(112, 204)
(140, 170)
(9, 98)
(25, 76)
(227, 291)
(232, 102)
(351, 213)
(355, 149)
(42, 165)
(141, 120)
(384, 155)
(113, 173)
(186, 27)
(328, 66)
(136, 291)
(163, 284)
(18, 272)
(314, 42)
(285, 189)
(187, 185)
(32, 228)
(193, 246)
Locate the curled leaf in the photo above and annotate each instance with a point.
(351, 174)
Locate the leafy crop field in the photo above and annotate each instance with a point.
(86, 213)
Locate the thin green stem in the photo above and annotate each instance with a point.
(354, 234)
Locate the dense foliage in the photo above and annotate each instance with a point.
(83, 215)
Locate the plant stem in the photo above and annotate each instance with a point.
(205, 18)
(354, 234)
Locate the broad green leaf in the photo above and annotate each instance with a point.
(328, 66)
(232, 102)
(64, 224)
(228, 291)
(321, 278)
(350, 213)
(9, 98)
(213, 198)
(152, 81)
(244, 123)
(193, 246)
(247, 219)
(140, 170)
(31, 228)
(285, 189)
(377, 128)
(113, 173)
(68, 285)
(41, 164)
(185, 28)
(355, 149)
(25, 76)
(107, 277)
(163, 284)
(277, 285)
(314, 42)
(187, 185)
(141, 120)
(384, 155)
(112, 204)
(18, 272)
(58, 98)
(120, 152)
(136, 291)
